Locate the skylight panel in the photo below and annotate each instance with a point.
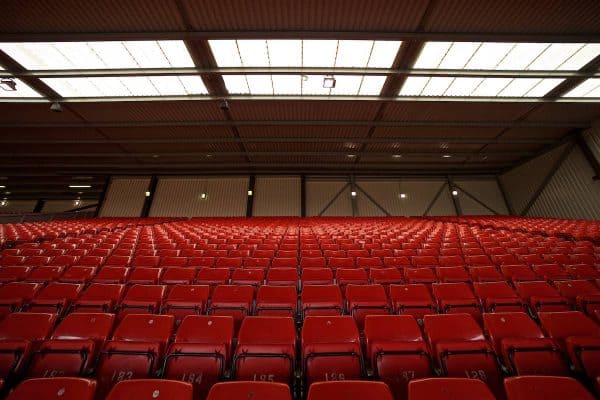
(313, 85)
(414, 85)
(287, 84)
(23, 90)
(319, 53)
(371, 85)
(226, 53)
(127, 86)
(478, 87)
(260, 84)
(506, 56)
(253, 53)
(383, 53)
(587, 88)
(346, 85)
(458, 55)
(285, 53)
(236, 84)
(432, 54)
(99, 55)
(353, 53)
(437, 86)
(555, 55)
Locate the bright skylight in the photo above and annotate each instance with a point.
(482, 87)
(22, 91)
(346, 85)
(506, 56)
(588, 88)
(127, 86)
(99, 55)
(304, 53)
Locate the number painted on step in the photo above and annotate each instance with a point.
(192, 378)
(334, 376)
(52, 373)
(264, 377)
(476, 374)
(119, 376)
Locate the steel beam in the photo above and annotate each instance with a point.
(507, 200)
(455, 199)
(541, 37)
(250, 199)
(337, 195)
(372, 200)
(475, 199)
(589, 155)
(435, 198)
(149, 199)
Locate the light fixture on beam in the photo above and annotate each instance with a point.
(455, 193)
(353, 193)
(80, 186)
(203, 196)
(250, 193)
(77, 203)
(2, 187)
(402, 195)
(148, 193)
(329, 82)
(446, 156)
(3, 203)
(8, 84)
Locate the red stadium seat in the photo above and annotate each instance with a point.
(452, 274)
(73, 347)
(349, 390)
(254, 277)
(142, 299)
(355, 276)
(456, 298)
(449, 389)
(322, 300)
(562, 325)
(232, 300)
(396, 351)
(545, 388)
(331, 349)
(364, 300)
(279, 301)
(246, 390)
(213, 276)
(200, 352)
(144, 276)
(45, 274)
(460, 348)
(15, 294)
(266, 350)
(498, 297)
(420, 275)
(135, 350)
(99, 297)
(55, 389)
(541, 296)
(581, 294)
(522, 345)
(20, 333)
(485, 274)
(54, 298)
(282, 277)
(178, 275)
(78, 274)
(151, 389)
(316, 276)
(412, 299)
(184, 300)
(112, 275)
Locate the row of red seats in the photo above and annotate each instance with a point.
(517, 388)
(354, 297)
(396, 350)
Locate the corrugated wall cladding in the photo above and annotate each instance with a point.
(592, 138)
(522, 182)
(125, 197)
(277, 196)
(180, 197)
(319, 193)
(57, 206)
(18, 206)
(486, 191)
(571, 193)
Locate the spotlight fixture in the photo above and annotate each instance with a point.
(329, 82)
(203, 196)
(397, 156)
(77, 202)
(3, 202)
(455, 193)
(80, 186)
(224, 105)
(402, 195)
(56, 107)
(148, 194)
(350, 155)
(353, 193)
(446, 156)
(8, 84)
(250, 193)
(2, 187)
